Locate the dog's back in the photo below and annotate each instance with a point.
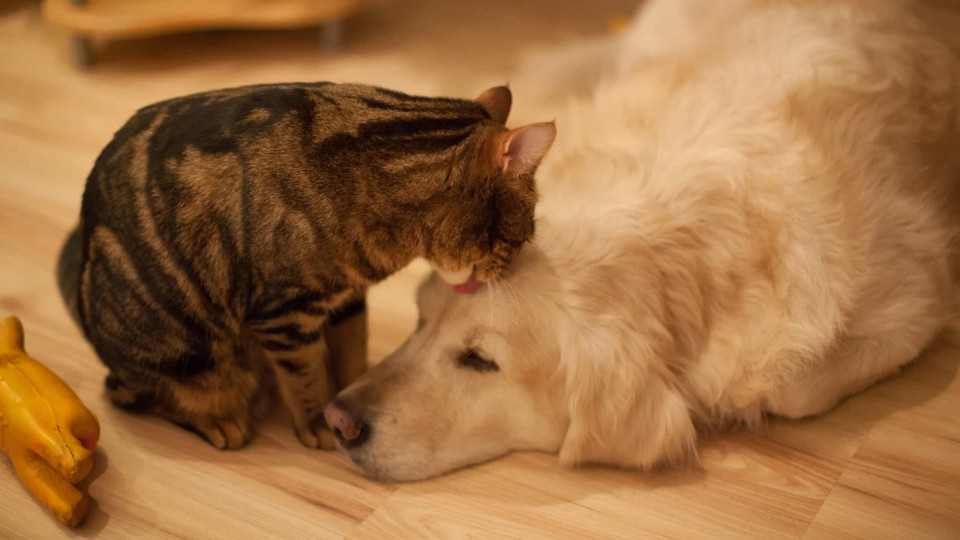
(800, 161)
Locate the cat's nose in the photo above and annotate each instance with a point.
(349, 428)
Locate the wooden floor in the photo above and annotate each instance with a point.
(885, 464)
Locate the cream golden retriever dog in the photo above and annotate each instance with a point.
(756, 212)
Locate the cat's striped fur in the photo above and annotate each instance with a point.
(222, 233)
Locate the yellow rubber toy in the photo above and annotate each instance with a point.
(48, 433)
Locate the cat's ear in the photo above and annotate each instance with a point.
(522, 149)
(496, 101)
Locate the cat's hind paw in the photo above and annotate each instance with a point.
(222, 433)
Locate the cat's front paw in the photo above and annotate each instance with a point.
(319, 437)
(222, 433)
(314, 433)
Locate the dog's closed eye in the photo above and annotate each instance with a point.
(471, 359)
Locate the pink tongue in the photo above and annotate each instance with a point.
(467, 287)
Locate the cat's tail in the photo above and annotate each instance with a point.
(68, 274)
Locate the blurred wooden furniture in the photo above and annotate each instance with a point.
(111, 19)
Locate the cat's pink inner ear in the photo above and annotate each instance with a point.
(496, 101)
(524, 148)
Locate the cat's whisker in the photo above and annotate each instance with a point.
(490, 306)
(512, 291)
(516, 297)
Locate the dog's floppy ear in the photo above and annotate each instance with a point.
(623, 408)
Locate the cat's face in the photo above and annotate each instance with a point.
(440, 178)
(488, 205)
(486, 218)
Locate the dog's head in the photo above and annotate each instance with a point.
(546, 359)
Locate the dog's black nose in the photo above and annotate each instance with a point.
(351, 430)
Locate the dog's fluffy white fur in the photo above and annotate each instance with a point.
(754, 211)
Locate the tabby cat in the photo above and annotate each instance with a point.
(227, 238)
